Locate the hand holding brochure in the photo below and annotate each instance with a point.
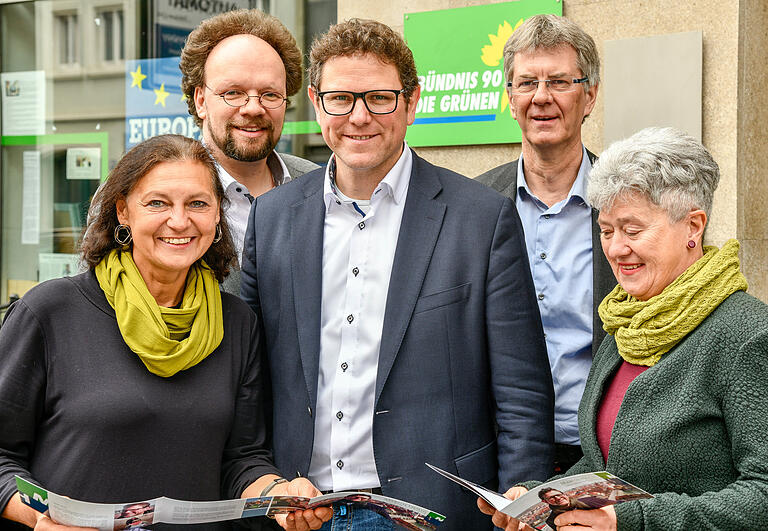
(140, 515)
(583, 491)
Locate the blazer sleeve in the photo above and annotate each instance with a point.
(22, 394)
(520, 373)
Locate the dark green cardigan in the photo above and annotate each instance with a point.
(693, 429)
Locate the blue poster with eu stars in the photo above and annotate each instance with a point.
(154, 103)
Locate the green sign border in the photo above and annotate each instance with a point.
(101, 138)
(301, 128)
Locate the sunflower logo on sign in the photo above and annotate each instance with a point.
(493, 54)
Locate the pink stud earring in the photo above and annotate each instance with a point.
(691, 244)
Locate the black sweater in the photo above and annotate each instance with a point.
(81, 415)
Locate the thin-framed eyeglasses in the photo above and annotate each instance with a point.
(238, 98)
(530, 86)
(341, 102)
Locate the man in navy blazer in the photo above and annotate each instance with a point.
(384, 285)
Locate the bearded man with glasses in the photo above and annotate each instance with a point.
(384, 287)
(553, 71)
(238, 70)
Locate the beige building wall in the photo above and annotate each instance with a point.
(752, 144)
(734, 100)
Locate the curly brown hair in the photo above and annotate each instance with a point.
(212, 31)
(358, 37)
(99, 238)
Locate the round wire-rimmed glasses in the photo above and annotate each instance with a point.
(559, 85)
(239, 98)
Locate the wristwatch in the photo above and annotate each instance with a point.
(272, 486)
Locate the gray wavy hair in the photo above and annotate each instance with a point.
(671, 169)
(551, 31)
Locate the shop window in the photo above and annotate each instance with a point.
(78, 57)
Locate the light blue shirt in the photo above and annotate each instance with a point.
(559, 243)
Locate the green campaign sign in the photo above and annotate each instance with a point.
(459, 57)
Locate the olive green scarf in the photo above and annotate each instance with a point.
(167, 340)
(645, 330)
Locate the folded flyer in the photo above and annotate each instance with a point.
(592, 490)
(141, 514)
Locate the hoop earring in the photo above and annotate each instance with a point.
(691, 244)
(219, 235)
(125, 238)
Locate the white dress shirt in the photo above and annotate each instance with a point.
(359, 244)
(240, 205)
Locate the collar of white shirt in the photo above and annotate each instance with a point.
(275, 163)
(394, 183)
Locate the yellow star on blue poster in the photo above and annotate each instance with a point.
(138, 77)
(160, 95)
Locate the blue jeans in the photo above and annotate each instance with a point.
(351, 517)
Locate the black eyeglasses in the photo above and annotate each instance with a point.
(238, 98)
(341, 102)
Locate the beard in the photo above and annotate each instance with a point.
(246, 150)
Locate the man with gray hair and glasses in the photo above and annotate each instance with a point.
(552, 70)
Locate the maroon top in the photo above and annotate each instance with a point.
(611, 402)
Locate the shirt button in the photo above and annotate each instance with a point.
(350, 318)
(543, 256)
(339, 464)
(541, 296)
(338, 202)
(344, 366)
(339, 415)
(355, 271)
(361, 225)
(546, 216)
(239, 189)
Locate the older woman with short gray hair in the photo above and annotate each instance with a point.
(675, 401)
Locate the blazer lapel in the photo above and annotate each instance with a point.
(419, 229)
(511, 190)
(307, 221)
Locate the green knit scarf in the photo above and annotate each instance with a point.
(167, 340)
(645, 330)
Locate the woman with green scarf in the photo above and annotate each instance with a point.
(140, 378)
(676, 401)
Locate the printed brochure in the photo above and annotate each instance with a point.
(141, 514)
(583, 491)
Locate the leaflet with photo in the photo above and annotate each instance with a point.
(592, 490)
(142, 514)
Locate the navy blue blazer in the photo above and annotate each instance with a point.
(463, 379)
